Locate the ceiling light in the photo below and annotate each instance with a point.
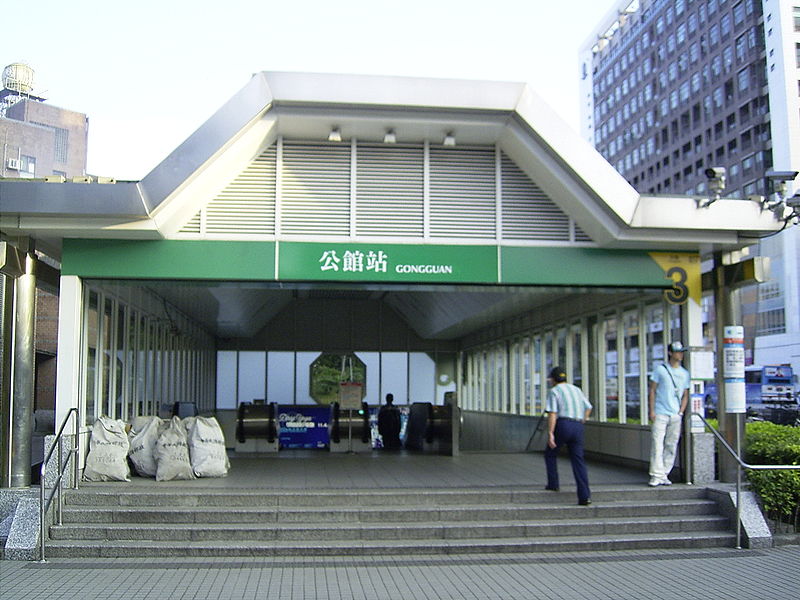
(449, 139)
(335, 135)
(389, 137)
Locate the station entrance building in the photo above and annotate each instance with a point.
(453, 236)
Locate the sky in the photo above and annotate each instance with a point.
(149, 73)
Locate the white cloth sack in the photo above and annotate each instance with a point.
(207, 448)
(139, 423)
(143, 445)
(108, 452)
(172, 453)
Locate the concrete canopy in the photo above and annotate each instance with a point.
(306, 106)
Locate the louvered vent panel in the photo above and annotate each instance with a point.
(462, 192)
(193, 225)
(528, 214)
(580, 234)
(316, 189)
(390, 191)
(247, 205)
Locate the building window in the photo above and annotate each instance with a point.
(725, 26)
(743, 80)
(771, 322)
(27, 166)
(738, 14)
(61, 144)
(713, 35)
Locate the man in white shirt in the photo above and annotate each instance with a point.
(667, 398)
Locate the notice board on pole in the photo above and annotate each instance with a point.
(350, 394)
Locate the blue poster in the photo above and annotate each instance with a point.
(303, 426)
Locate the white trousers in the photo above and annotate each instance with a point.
(665, 431)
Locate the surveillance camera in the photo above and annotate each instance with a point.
(781, 175)
(794, 201)
(715, 172)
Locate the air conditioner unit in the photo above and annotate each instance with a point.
(13, 163)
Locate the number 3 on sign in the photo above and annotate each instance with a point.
(680, 291)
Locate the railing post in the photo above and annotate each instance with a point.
(738, 489)
(58, 488)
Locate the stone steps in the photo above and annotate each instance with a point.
(112, 520)
(152, 549)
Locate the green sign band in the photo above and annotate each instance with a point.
(358, 262)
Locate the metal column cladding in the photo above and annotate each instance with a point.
(23, 376)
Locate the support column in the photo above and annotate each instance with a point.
(23, 374)
(6, 349)
(727, 313)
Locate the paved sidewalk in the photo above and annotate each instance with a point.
(637, 575)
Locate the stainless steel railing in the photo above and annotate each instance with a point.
(740, 464)
(45, 500)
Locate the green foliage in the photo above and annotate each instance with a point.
(770, 444)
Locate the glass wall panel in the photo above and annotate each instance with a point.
(394, 376)
(118, 375)
(526, 375)
(538, 378)
(105, 359)
(445, 374)
(226, 379)
(280, 377)
(421, 377)
(372, 362)
(611, 364)
(142, 342)
(92, 335)
(252, 374)
(577, 363)
(301, 384)
(676, 331)
(595, 370)
(548, 355)
(499, 384)
(633, 396)
(561, 349)
(656, 342)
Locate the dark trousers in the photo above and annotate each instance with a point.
(569, 433)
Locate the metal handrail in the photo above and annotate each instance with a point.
(44, 503)
(739, 466)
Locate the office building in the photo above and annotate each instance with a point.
(672, 88)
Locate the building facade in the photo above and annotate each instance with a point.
(38, 139)
(670, 88)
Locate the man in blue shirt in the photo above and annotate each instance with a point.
(668, 396)
(567, 409)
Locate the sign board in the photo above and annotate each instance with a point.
(350, 396)
(733, 369)
(303, 426)
(683, 269)
(387, 262)
(702, 365)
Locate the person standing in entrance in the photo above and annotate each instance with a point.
(668, 396)
(567, 409)
(389, 424)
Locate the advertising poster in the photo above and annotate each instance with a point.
(303, 426)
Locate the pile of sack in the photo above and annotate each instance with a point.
(164, 449)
